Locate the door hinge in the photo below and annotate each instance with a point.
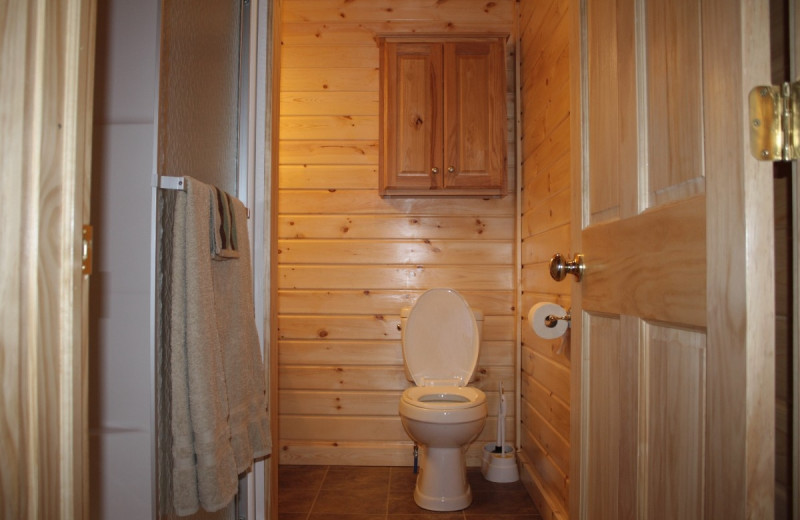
(86, 249)
(774, 122)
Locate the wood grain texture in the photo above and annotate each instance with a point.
(349, 260)
(425, 251)
(368, 301)
(401, 227)
(46, 150)
(626, 256)
(674, 421)
(468, 11)
(703, 383)
(741, 332)
(544, 51)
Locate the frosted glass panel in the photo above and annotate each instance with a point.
(198, 118)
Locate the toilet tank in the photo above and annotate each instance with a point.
(404, 318)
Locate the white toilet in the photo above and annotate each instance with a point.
(441, 340)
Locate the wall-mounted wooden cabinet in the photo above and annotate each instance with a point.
(443, 117)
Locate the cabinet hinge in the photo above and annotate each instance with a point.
(774, 122)
(86, 250)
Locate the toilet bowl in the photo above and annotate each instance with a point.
(441, 340)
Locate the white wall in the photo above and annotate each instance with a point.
(120, 385)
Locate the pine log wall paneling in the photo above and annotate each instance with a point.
(349, 260)
(544, 29)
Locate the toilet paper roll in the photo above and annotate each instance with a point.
(537, 316)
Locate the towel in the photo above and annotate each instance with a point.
(241, 353)
(224, 240)
(219, 410)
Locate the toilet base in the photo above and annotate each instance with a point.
(443, 503)
(442, 481)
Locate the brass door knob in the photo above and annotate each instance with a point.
(434, 170)
(560, 267)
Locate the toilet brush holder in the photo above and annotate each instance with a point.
(499, 467)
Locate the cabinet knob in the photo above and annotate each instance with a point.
(450, 169)
(434, 170)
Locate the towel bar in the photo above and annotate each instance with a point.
(166, 182)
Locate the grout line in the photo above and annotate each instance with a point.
(388, 491)
(319, 490)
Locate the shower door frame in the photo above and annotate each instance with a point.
(254, 188)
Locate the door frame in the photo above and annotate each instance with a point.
(739, 466)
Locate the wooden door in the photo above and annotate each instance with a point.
(673, 396)
(46, 59)
(411, 109)
(474, 115)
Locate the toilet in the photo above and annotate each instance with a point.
(441, 414)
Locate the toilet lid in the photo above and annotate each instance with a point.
(440, 342)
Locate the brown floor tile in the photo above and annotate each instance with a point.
(384, 493)
(297, 489)
(478, 483)
(402, 480)
(403, 503)
(351, 501)
(357, 477)
(292, 516)
(293, 477)
(297, 500)
(501, 503)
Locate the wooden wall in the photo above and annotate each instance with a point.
(349, 260)
(544, 29)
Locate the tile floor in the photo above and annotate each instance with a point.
(386, 493)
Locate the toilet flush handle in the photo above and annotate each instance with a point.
(561, 267)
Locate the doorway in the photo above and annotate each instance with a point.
(784, 185)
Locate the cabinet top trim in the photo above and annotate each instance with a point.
(450, 37)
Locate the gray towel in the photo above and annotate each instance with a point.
(224, 238)
(241, 352)
(219, 419)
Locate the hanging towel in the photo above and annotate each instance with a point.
(216, 366)
(241, 352)
(224, 239)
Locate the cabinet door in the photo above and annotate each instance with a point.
(474, 115)
(412, 137)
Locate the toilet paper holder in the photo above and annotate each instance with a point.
(551, 321)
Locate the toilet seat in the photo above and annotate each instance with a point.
(443, 397)
(443, 404)
(441, 339)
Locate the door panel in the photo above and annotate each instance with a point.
(608, 472)
(413, 111)
(611, 88)
(657, 253)
(675, 92)
(475, 130)
(673, 408)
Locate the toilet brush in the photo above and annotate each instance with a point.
(501, 423)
